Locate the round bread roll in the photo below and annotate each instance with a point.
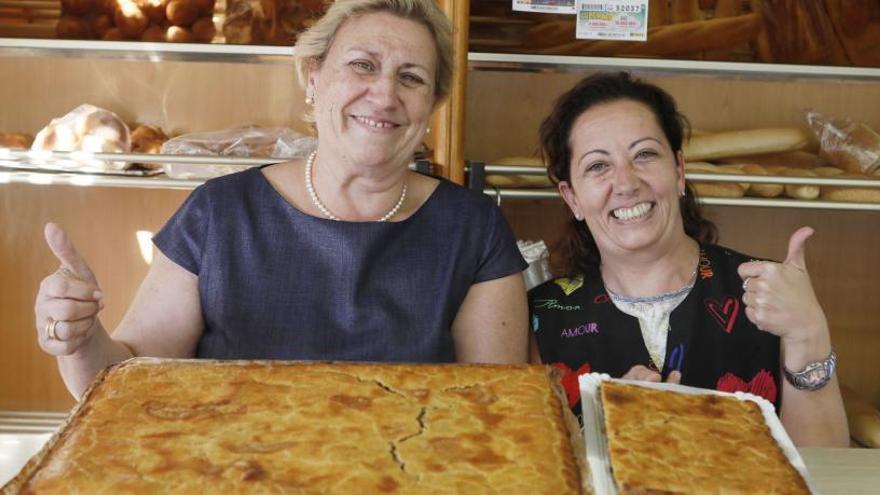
(203, 30)
(70, 27)
(16, 140)
(154, 9)
(113, 34)
(181, 12)
(105, 7)
(130, 20)
(177, 34)
(76, 7)
(154, 33)
(206, 7)
(101, 23)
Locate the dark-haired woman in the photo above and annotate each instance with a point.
(646, 294)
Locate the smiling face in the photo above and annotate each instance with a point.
(625, 179)
(374, 90)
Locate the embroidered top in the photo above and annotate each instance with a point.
(275, 283)
(710, 340)
(653, 315)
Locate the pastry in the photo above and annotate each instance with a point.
(671, 442)
(191, 426)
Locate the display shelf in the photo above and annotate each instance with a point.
(145, 51)
(19, 166)
(508, 193)
(565, 63)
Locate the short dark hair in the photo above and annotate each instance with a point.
(577, 250)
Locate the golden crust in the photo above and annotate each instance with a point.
(160, 426)
(671, 442)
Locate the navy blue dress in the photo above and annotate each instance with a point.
(276, 283)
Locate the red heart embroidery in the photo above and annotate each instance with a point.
(570, 381)
(761, 384)
(725, 314)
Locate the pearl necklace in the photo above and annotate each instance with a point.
(320, 206)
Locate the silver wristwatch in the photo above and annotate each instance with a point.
(814, 376)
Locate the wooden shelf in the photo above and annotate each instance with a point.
(144, 51)
(562, 63)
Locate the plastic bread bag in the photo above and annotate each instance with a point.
(250, 142)
(85, 128)
(849, 145)
(537, 256)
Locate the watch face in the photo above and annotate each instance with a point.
(815, 375)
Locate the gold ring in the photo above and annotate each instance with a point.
(50, 329)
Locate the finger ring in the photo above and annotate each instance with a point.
(746, 284)
(50, 329)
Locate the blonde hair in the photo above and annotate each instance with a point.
(312, 45)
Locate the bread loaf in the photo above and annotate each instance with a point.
(746, 142)
(86, 128)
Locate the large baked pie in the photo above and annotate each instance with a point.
(161, 426)
(671, 442)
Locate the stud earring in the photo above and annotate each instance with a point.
(310, 100)
(682, 193)
(578, 217)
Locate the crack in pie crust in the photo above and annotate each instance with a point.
(672, 442)
(190, 426)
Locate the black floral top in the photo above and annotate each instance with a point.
(711, 341)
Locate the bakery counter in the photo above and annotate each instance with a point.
(834, 471)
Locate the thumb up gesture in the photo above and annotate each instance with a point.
(779, 297)
(68, 301)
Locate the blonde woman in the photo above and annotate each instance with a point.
(347, 255)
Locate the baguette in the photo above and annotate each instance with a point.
(851, 194)
(715, 189)
(863, 418)
(797, 191)
(758, 189)
(745, 142)
(790, 159)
